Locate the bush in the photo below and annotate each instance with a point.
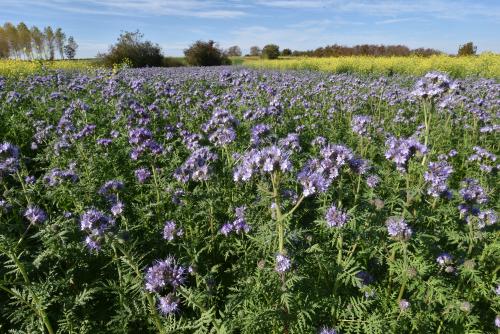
(468, 49)
(271, 51)
(172, 62)
(205, 54)
(131, 46)
(286, 52)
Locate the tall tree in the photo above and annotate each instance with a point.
(24, 35)
(255, 51)
(38, 41)
(4, 44)
(234, 51)
(60, 38)
(70, 48)
(50, 42)
(12, 38)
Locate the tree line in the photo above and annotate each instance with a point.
(20, 42)
(337, 50)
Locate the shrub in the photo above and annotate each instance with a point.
(205, 54)
(140, 53)
(271, 51)
(286, 52)
(468, 49)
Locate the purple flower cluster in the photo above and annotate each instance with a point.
(283, 263)
(474, 195)
(57, 176)
(484, 158)
(166, 276)
(400, 150)
(360, 124)
(35, 215)
(433, 84)
(9, 159)
(170, 231)
(404, 304)
(336, 217)
(142, 175)
(261, 161)
(95, 224)
(220, 127)
(318, 174)
(398, 229)
(197, 166)
(445, 262)
(239, 225)
(372, 181)
(142, 140)
(437, 176)
(257, 132)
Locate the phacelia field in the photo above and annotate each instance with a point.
(228, 200)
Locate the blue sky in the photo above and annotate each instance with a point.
(295, 24)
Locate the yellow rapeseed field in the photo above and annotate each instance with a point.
(485, 65)
(11, 67)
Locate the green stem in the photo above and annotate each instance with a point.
(157, 189)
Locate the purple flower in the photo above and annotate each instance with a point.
(283, 263)
(35, 215)
(170, 231)
(57, 176)
(432, 85)
(497, 321)
(9, 159)
(142, 174)
(336, 217)
(94, 219)
(257, 132)
(197, 166)
(265, 160)
(400, 150)
(360, 124)
(117, 208)
(444, 260)
(404, 304)
(437, 176)
(168, 304)
(326, 330)
(239, 225)
(165, 273)
(372, 181)
(472, 192)
(486, 218)
(398, 229)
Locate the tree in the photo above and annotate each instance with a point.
(60, 39)
(234, 51)
(12, 39)
(24, 39)
(286, 52)
(271, 51)
(4, 44)
(255, 51)
(70, 48)
(130, 45)
(50, 42)
(38, 41)
(203, 53)
(468, 49)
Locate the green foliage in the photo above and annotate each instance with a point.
(131, 46)
(270, 51)
(468, 49)
(203, 53)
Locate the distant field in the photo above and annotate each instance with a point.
(487, 65)
(11, 67)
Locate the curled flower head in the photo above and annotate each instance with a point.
(35, 215)
(283, 263)
(336, 217)
(168, 304)
(398, 229)
(170, 230)
(404, 304)
(165, 273)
